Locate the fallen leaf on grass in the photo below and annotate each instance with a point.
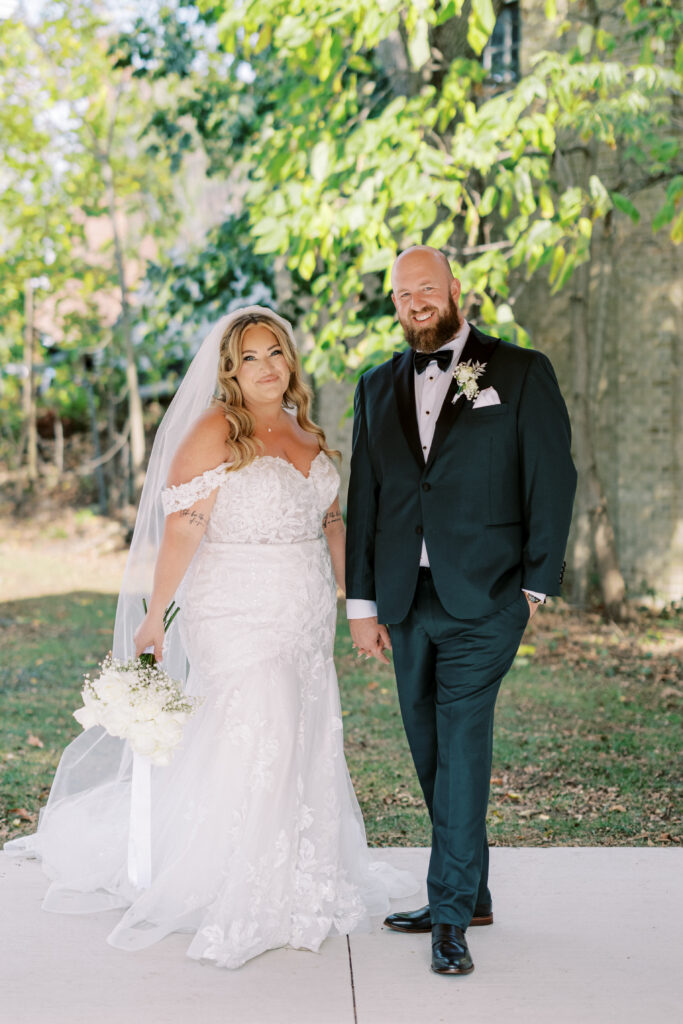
(22, 814)
(513, 796)
(403, 799)
(33, 741)
(618, 808)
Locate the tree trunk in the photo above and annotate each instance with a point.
(30, 427)
(135, 413)
(593, 517)
(97, 453)
(59, 443)
(114, 489)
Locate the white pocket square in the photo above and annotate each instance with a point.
(489, 396)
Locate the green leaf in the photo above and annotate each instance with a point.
(418, 45)
(441, 234)
(449, 10)
(551, 9)
(488, 310)
(566, 273)
(380, 260)
(664, 215)
(584, 39)
(557, 263)
(625, 205)
(307, 265)
(600, 196)
(480, 24)
(488, 201)
(320, 159)
(545, 201)
(676, 232)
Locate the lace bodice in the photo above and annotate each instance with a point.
(267, 502)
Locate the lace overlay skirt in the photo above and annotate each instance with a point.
(257, 837)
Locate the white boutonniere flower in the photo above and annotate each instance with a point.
(466, 376)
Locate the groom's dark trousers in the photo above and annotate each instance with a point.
(448, 673)
(492, 501)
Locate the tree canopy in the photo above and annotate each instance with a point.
(358, 136)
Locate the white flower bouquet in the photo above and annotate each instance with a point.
(139, 702)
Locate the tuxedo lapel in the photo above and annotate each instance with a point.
(404, 389)
(479, 348)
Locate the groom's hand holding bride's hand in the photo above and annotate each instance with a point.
(150, 633)
(370, 638)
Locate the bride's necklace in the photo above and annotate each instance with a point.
(268, 430)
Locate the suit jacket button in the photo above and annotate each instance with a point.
(419, 530)
(426, 487)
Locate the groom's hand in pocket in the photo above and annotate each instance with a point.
(370, 638)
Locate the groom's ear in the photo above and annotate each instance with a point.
(456, 289)
(393, 299)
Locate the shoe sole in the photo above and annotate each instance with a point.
(476, 922)
(408, 931)
(455, 970)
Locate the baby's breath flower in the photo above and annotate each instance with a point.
(466, 376)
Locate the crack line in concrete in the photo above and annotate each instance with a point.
(353, 987)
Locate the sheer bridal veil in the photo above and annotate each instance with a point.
(94, 758)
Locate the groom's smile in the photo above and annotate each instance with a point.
(426, 295)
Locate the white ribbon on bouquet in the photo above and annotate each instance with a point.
(140, 830)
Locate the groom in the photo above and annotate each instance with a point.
(459, 507)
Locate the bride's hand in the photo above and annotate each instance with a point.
(150, 633)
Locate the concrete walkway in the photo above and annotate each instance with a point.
(580, 936)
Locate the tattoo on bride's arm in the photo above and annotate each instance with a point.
(331, 518)
(194, 518)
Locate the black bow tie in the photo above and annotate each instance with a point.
(443, 358)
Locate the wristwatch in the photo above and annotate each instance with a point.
(533, 598)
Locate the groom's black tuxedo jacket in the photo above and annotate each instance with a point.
(493, 501)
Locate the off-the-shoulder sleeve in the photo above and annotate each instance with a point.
(174, 499)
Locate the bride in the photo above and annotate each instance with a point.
(256, 836)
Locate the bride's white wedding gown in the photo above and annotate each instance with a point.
(257, 837)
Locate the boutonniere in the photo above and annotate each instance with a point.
(466, 376)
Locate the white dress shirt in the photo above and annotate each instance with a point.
(430, 390)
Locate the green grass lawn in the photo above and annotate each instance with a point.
(588, 725)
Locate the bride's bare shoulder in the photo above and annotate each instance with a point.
(203, 447)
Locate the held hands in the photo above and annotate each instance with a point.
(370, 639)
(150, 633)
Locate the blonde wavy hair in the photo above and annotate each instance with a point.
(244, 447)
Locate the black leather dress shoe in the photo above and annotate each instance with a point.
(450, 954)
(414, 921)
(483, 914)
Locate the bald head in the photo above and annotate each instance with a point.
(426, 296)
(418, 255)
